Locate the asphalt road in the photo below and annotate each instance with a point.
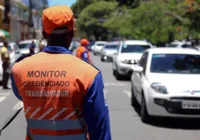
(125, 121)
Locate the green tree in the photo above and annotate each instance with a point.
(92, 18)
(160, 23)
(119, 24)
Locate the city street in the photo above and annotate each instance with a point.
(125, 121)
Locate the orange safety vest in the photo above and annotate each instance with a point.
(53, 91)
(80, 51)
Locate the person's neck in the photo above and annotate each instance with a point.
(57, 44)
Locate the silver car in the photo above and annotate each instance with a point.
(128, 55)
(109, 50)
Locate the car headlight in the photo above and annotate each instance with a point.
(129, 61)
(158, 87)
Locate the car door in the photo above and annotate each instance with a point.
(138, 77)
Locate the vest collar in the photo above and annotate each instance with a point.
(56, 49)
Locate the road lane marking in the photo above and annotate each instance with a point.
(2, 99)
(18, 105)
(128, 93)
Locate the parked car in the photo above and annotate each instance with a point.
(166, 83)
(180, 44)
(14, 51)
(74, 45)
(97, 48)
(24, 46)
(109, 50)
(128, 54)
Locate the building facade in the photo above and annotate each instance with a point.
(19, 19)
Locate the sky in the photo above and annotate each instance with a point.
(65, 2)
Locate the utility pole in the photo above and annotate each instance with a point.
(30, 20)
(6, 20)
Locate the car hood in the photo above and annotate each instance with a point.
(112, 51)
(177, 82)
(130, 56)
(27, 51)
(24, 51)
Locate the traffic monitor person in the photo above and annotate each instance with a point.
(82, 51)
(62, 95)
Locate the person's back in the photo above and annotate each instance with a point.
(53, 95)
(62, 95)
(5, 54)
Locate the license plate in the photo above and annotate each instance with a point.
(191, 104)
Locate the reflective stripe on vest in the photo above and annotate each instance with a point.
(54, 122)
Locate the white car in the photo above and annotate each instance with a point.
(128, 55)
(165, 83)
(24, 46)
(14, 52)
(109, 50)
(97, 47)
(180, 44)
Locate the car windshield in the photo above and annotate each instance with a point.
(100, 44)
(111, 47)
(91, 44)
(134, 48)
(187, 46)
(173, 45)
(175, 63)
(9, 48)
(23, 46)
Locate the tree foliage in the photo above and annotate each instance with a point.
(92, 17)
(155, 20)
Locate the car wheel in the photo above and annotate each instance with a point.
(118, 76)
(134, 102)
(145, 117)
(102, 59)
(114, 72)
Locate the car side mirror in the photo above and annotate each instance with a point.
(137, 69)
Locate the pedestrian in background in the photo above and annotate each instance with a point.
(32, 47)
(5, 57)
(63, 96)
(82, 52)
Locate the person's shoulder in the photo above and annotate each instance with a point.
(19, 61)
(84, 66)
(3, 49)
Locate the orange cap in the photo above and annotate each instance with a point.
(57, 16)
(84, 42)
